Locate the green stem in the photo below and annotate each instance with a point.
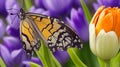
(107, 63)
(28, 4)
(104, 63)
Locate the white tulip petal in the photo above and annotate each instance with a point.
(92, 37)
(98, 40)
(119, 42)
(107, 44)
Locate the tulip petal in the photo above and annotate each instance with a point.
(107, 44)
(96, 15)
(92, 38)
(104, 23)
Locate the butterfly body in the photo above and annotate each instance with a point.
(56, 34)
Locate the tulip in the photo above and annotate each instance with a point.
(104, 32)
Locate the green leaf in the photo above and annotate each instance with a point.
(87, 56)
(75, 58)
(86, 11)
(115, 62)
(42, 59)
(47, 58)
(69, 63)
(2, 64)
(34, 64)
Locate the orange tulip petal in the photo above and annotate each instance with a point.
(96, 16)
(105, 23)
(117, 23)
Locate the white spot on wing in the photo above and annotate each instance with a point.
(27, 43)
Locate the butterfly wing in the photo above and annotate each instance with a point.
(54, 32)
(29, 37)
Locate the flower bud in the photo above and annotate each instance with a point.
(104, 31)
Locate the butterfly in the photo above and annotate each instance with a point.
(56, 34)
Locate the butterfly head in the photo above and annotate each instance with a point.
(22, 14)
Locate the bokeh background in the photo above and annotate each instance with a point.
(70, 11)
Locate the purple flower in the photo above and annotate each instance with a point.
(36, 60)
(13, 7)
(0, 50)
(33, 59)
(38, 10)
(13, 31)
(58, 8)
(13, 21)
(77, 4)
(12, 43)
(14, 58)
(39, 3)
(79, 24)
(61, 56)
(3, 11)
(2, 28)
(107, 3)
